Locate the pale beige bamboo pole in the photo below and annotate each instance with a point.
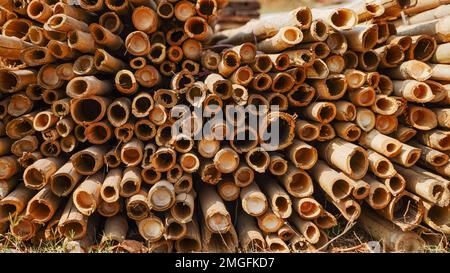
(130, 182)
(421, 118)
(132, 152)
(19, 104)
(436, 139)
(408, 156)
(395, 184)
(348, 157)
(298, 244)
(138, 63)
(411, 69)
(426, 187)
(413, 91)
(151, 228)
(118, 111)
(63, 22)
(250, 236)
(362, 37)
(269, 222)
(279, 199)
(326, 220)
(297, 182)
(286, 233)
(216, 216)
(72, 223)
(422, 47)
(98, 106)
(284, 39)
(345, 111)
(379, 195)
(15, 202)
(405, 210)
(307, 208)
(335, 63)
(323, 112)
(89, 160)
(211, 59)
(16, 80)
(379, 165)
(275, 244)
(34, 56)
(355, 78)
(306, 228)
(137, 206)
(226, 160)
(103, 61)
(161, 196)
(437, 28)
(385, 105)
(334, 184)
(350, 59)
(87, 86)
(338, 18)
(385, 85)
(198, 28)
(380, 143)
(81, 41)
(394, 238)
(243, 175)
(72, 11)
(278, 165)
(302, 155)
(430, 155)
(174, 229)
(86, 196)
(254, 201)
(111, 186)
(192, 241)
(347, 130)
(386, 124)
(306, 131)
(365, 119)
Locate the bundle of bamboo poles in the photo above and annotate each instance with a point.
(87, 152)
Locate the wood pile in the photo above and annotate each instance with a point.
(237, 13)
(89, 92)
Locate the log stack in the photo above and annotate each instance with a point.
(90, 95)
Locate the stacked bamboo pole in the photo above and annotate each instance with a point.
(90, 93)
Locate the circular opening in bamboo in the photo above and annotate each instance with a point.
(305, 157)
(184, 184)
(129, 187)
(369, 38)
(343, 18)
(7, 210)
(320, 29)
(283, 82)
(117, 113)
(84, 163)
(33, 178)
(188, 245)
(277, 247)
(311, 232)
(131, 155)
(143, 104)
(391, 147)
(231, 60)
(24, 229)
(340, 189)
(370, 59)
(165, 9)
(437, 191)
(421, 91)
(259, 159)
(383, 167)
(385, 104)
(72, 229)
(84, 200)
(98, 34)
(309, 209)
(358, 163)
(351, 211)
(189, 161)
(164, 160)
(423, 119)
(110, 21)
(327, 113)
(175, 229)
(381, 197)
(354, 133)
(244, 176)
(302, 95)
(385, 85)
(78, 86)
(263, 63)
(181, 210)
(439, 215)
(413, 157)
(374, 8)
(361, 191)
(112, 160)
(424, 48)
(406, 210)
(16, 27)
(291, 35)
(244, 75)
(386, 124)
(50, 148)
(336, 86)
(41, 121)
(61, 184)
(206, 7)
(109, 192)
(137, 210)
(394, 55)
(366, 96)
(444, 142)
(309, 132)
(223, 88)
(227, 161)
(86, 110)
(150, 175)
(35, 35)
(321, 50)
(98, 133)
(439, 160)
(83, 64)
(196, 26)
(325, 221)
(39, 210)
